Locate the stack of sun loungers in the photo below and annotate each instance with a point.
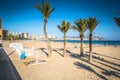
(19, 48)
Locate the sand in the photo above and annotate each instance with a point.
(105, 64)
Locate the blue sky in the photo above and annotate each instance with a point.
(21, 16)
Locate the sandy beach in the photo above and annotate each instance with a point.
(105, 64)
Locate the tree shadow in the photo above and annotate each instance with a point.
(106, 71)
(71, 53)
(7, 68)
(105, 56)
(102, 59)
(113, 72)
(11, 52)
(61, 49)
(83, 66)
(58, 52)
(74, 55)
(85, 59)
(42, 49)
(106, 65)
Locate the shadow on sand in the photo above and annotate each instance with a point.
(11, 52)
(43, 50)
(88, 68)
(96, 59)
(102, 59)
(105, 56)
(104, 71)
(58, 52)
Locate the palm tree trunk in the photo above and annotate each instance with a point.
(64, 53)
(47, 39)
(90, 47)
(81, 48)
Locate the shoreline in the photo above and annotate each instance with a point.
(76, 42)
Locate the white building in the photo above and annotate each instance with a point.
(26, 35)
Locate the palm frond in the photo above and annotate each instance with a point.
(43, 4)
(63, 23)
(75, 28)
(65, 26)
(51, 10)
(117, 21)
(39, 7)
(68, 26)
(60, 28)
(45, 9)
(92, 23)
(81, 25)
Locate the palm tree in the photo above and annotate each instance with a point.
(81, 27)
(92, 24)
(65, 26)
(117, 21)
(45, 9)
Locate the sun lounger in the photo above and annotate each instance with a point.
(19, 48)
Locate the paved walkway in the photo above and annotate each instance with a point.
(7, 68)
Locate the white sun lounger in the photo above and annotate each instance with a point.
(19, 48)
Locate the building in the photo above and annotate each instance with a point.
(3, 33)
(21, 35)
(26, 35)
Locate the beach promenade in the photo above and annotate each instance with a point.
(105, 64)
(7, 68)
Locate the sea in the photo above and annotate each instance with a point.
(99, 42)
